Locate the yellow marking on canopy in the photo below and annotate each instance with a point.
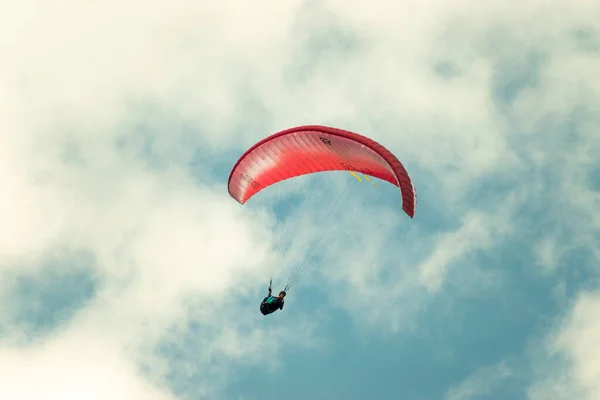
(355, 175)
(369, 180)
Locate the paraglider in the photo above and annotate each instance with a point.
(270, 304)
(313, 149)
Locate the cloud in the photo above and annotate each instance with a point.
(79, 178)
(71, 367)
(574, 345)
(480, 383)
(492, 108)
(475, 234)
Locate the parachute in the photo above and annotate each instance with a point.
(308, 150)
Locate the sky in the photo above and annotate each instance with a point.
(128, 272)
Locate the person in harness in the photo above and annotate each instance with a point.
(270, 304)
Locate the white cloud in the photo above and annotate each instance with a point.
(481, 383)
(476, 233)
(580, 340)
(576, 340)
(76, 365)
(76, 82)
(546, 252)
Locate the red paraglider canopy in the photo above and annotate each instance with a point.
(310, 149)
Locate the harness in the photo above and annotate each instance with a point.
(272, 299)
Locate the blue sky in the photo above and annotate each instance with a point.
(127, 272)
